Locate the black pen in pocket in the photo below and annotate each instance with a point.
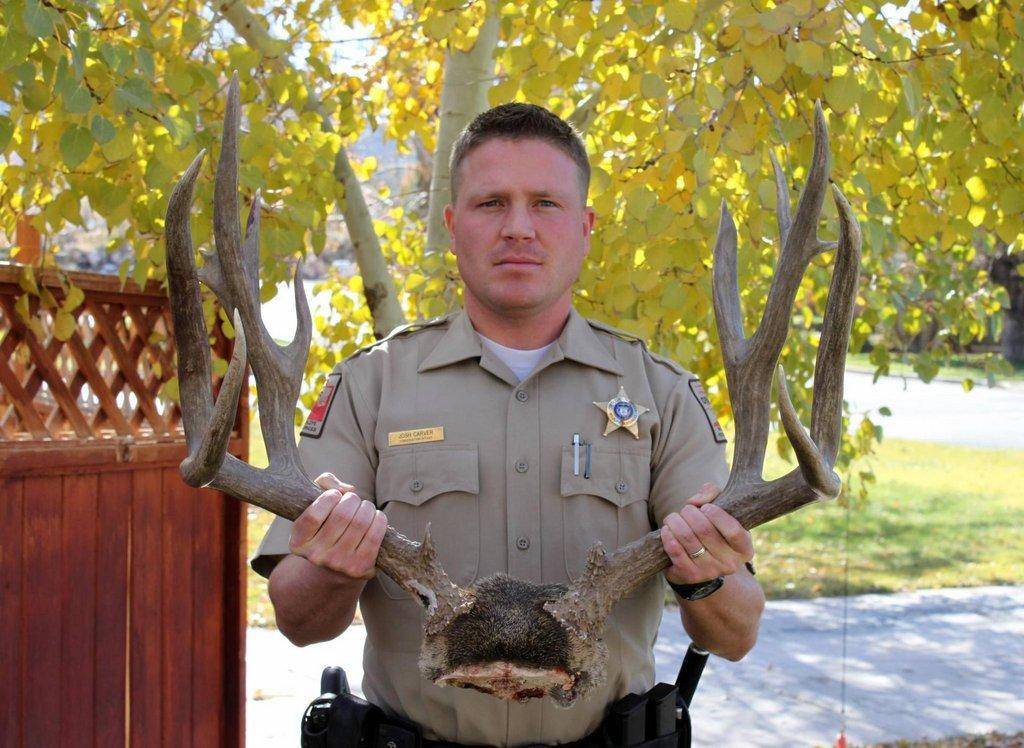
(586, 466)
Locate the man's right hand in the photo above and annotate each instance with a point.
(339, 531)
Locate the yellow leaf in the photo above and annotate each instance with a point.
(729, 36)
(680, 15)
(63, 325)
(960, 203)
(810, 56)
(842, 92)
(976, 215)
(768, 62)
(734, 69)
(74, 298)
(741, 138)
(976, 187)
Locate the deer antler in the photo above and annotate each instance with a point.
(507, 637)
(749, 366)
(232, 273)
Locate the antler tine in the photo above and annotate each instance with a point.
(782, 210)
(278, 374)
(201, 466)
(798, 248)
(726, 290)
(829, 367)
(251, 244)
(194, 366)
(297, 350)
(815, 467)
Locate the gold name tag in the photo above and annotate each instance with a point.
(415, 436)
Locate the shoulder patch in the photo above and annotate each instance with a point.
(705, 403)
(317, 418)
(409, 327)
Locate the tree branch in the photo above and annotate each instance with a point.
(378, 286)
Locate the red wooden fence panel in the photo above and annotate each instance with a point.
(122, 607)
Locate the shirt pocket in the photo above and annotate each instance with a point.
(610, 506)
(439, 485)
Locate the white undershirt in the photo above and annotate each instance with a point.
(519, 361)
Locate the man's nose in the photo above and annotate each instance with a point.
(518, 223)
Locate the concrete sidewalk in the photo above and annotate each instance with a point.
(921, 664)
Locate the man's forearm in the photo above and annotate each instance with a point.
(725, 623)
(312, 604)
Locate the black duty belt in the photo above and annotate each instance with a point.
(657, 719)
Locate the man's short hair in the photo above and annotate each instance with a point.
(518, 121)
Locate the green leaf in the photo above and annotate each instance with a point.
(75, 145)
(179, 80)
(144, 59)
(80, 51)
(36, 19)
(653, 86)
(912, 93)
(134, 94)
(6, 131)
(14, 46)
(79, 102)
(102, 130)
(35, 96)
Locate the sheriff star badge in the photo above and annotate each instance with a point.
(622, 413)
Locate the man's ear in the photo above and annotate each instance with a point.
(449, 220)
(589, 216)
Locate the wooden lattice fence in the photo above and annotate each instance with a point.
(121, 589)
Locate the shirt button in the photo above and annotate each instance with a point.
(522, 396)
(522, 467)
(621, 486)
(522, 542)
(416, 485)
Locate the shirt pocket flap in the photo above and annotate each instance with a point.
(619, 477)
(415, 475)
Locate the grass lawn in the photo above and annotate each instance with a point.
(939, 516)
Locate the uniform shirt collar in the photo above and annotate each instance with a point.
(577, 342)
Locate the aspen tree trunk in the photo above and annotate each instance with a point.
(467, 79)
(1005, 270)
(378, 286)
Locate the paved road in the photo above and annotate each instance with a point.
(941, 411)
(921, 664)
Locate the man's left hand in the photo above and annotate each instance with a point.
(701, 524)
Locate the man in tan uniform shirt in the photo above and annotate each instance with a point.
(429, 425)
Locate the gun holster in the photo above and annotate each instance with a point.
(340, 718)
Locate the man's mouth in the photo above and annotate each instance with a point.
(518, 261)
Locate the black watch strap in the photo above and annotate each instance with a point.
(698, 590)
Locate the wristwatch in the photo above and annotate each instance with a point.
(697, 590)
(700, 590)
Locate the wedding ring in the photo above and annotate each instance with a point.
(698, 553)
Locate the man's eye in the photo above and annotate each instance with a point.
(548, 202)
(488, 203)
